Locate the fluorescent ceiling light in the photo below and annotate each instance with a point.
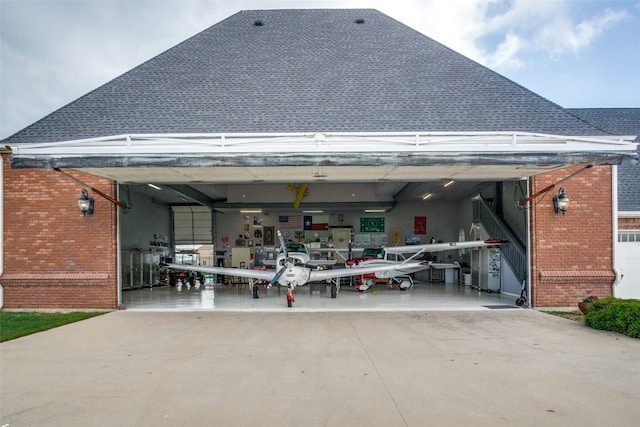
(154, 187)
(448, 183)
(426, 196)
(250, 210)
(312, 211)
(374, 210)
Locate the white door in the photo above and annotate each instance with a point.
(627, 257)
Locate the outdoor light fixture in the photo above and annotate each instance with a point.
(561, 201)
(85, 203)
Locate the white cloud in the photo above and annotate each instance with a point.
(506, 54)
(568, 37)
(501, 33)
(551, 27)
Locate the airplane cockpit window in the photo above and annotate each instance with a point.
(376, 252)
(296, 247)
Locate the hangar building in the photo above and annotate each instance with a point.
(345, 117)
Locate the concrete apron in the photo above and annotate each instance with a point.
(445, 368)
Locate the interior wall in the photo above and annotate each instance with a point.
(143, 223)
(513, 215)
(444, 221)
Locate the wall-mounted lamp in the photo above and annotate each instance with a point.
(561, 201)
(85, 203)
(82, 201)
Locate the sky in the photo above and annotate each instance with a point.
(576, 53)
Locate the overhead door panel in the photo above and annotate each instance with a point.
(192, 225)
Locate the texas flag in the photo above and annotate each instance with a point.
(316, 223)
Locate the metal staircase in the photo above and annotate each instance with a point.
(514, 253)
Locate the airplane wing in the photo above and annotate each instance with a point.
(439, 247)
(381, 270)
(237, 272)
(314, 262)
(445, 265)
(317, 262)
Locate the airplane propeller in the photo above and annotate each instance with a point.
(280, 272)
(283, 245)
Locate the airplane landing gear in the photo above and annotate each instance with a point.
(403, 283)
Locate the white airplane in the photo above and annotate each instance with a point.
(394, 255)
(295, 268)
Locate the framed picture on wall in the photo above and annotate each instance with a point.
(268, 236)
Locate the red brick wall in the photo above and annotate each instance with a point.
(629, 223)
(54, 257)
(572, 253)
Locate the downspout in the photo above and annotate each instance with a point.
(528, 219)
(614, 226)
(118, 251)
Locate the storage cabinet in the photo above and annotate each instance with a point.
(140, 269)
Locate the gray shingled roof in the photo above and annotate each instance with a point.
(619, 121)
(305, 71)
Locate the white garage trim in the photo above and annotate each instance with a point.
(324, 143)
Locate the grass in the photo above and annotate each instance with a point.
(15, 324)
(571, 315)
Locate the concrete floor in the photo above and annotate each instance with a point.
(314, 297)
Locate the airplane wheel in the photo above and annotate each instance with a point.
(334, 290)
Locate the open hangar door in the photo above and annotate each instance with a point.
(389, 174)
(221, 216)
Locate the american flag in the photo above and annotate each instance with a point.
(290, 221)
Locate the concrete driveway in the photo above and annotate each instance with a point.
(440, 368)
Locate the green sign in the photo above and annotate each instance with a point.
(371, 225)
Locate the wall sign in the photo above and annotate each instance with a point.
(371, 225)
(420, 225)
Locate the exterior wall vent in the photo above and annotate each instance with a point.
(360, 21)
(258, 23)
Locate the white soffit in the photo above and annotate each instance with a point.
(310, 174)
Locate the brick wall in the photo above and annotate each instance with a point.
(572, 253)
(628, 223)
(54, 257)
